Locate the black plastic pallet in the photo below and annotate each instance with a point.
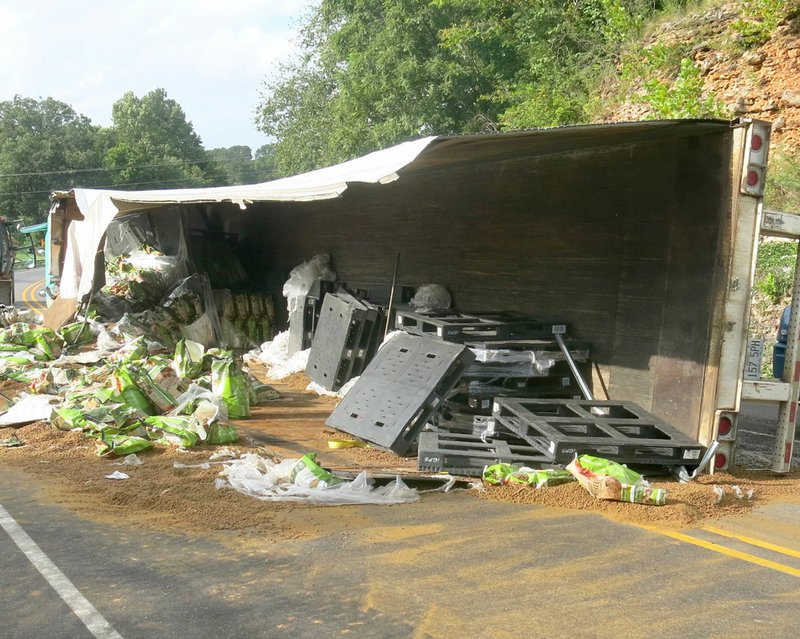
(482, 402)
(535, 349)
(463, 423)
(459, 327)
(480, 386)
(461, 454)
(401, 388)
(304, 316)
(620, 431)
(344, 341)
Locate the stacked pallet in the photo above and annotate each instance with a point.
(345, 339)
(469, 391)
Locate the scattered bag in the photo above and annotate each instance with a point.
(307, 473)
(222, 433)
(189, 359)
(123, 382)
(606, 479)
(181, 431)
(27, 409)
(41, 338)
(228, 382)
(76, 334)
(504, 474)
(118, 444)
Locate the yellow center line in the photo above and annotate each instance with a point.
(24, 295)
(724, 550)
(754, 542)
(29, 296)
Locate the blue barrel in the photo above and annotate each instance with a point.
(779, 350)
(778, 359)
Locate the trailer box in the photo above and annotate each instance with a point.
(641, 236)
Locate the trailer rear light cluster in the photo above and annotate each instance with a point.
(755, 158)
(726, 426)
(724, 457)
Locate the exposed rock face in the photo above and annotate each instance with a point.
(762, 83)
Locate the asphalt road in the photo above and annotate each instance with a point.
(449, 566)
(29, 288)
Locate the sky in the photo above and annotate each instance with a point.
(211, 57)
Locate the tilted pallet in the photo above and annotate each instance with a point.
(401, 388)
(462, 454)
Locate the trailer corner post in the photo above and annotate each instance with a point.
(787, 413)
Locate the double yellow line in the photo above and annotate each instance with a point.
(737, 554)
(30, 298)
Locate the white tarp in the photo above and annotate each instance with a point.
(100, 207)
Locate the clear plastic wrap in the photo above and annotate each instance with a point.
(275, 356)
(299, 480)
(302, 277)
(491, 363)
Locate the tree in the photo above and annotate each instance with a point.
(44, 146)
(372, 73)
(265, 163)
(154, 145)
(236, 165)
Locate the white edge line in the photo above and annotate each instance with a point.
(79, 604)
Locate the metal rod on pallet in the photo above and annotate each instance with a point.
(391, 297)
(587, 394)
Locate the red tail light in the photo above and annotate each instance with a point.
(725, 426)
(755, 160)
(720, 460)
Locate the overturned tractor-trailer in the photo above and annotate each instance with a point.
(641, 236)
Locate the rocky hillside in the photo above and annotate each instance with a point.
(738, 77)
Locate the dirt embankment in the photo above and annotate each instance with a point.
(762, 82)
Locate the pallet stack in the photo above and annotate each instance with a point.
(304, 316)
(550, 432)
(345, 340)
(469, 391)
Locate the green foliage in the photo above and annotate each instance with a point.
(658, 60)
(236, 165)
(43, 146)
(682, 97)
(782, 191)
(759, 19)
(375, 72)
(775, 264)
(155, 146)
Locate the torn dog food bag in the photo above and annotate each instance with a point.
(229, 383)
(605, 479)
